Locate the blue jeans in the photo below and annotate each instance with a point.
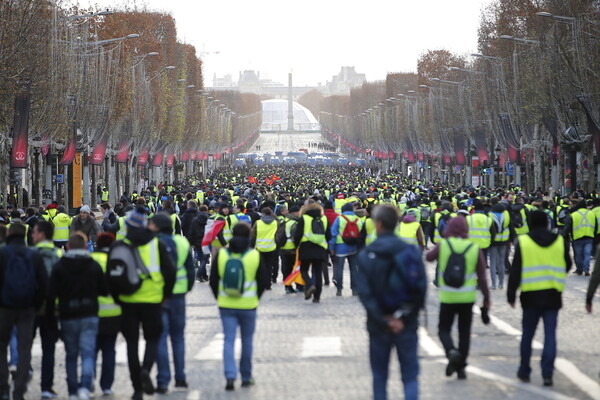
(173, 316)
(79, 336)
(246, 320)
(106, 344)
(583, 252)
(380, 347)
(14, 352)
(338, 273)
(203, 258)
(497, 256)
(531, 317)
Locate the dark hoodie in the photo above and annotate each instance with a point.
(238, 245)
(550, 298)
(457, 227)
(309, 250)
(76, 281)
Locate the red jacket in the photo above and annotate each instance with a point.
(331, 216)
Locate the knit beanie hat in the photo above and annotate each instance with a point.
(137, 218)
(85, 209)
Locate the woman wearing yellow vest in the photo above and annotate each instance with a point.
(110, 319)
(539, 271)
(458, 301)
(241, 310)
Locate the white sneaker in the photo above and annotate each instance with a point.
(107, 392)
(73, 397)
(46, 394)
(83, 394)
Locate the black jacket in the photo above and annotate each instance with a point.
(549, 298)
(197, 228)
(186, 221)
(76, 281)
(309, 250)
(17, 243)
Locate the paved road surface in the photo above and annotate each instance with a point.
(310, 351)
(272, 142)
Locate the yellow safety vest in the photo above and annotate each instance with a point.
(407, 231)
(370, 230)
(151, 290)
(265, 236)
(503, 235)
(479, 230)
(122, 232)
(288, 224)
(309, 236)
(437, 236)
(104, 197)
(249, 299)
(62, 223)
(525, 228)
(584, 224)
(183, 252)
(542, 267)
(106, 304)
(467, 293)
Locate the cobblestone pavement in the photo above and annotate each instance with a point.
(319, 351)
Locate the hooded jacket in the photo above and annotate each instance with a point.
(457, 227)
(549, 298)
(76, 281)
(186, 221)
(267, 219)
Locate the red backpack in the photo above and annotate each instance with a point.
(351, 233)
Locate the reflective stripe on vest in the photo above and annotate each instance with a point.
(582, 224)
(265, 236)
(504, 234)
(525, 228)
(183, 252)
(542, 268)
(309, 236)
(468, 292)
(106, 304)
(479, 230)
(370, 230)
(249, 299)
(151, 290)
(289, 243)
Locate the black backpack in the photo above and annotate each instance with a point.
(19, 284)
(454, 274)
(517, 217)
(49, 257)
(280, 235)
(125, 269)
(317, 226)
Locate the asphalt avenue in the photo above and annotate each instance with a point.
(320, 351)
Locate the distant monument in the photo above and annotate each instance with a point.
(290, 104)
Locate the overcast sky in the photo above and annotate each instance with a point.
(314, 38)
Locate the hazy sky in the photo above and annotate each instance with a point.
(314, 38)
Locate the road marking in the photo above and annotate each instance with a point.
(214, 350)
(564, 366)
(322, 347)
(434, 350)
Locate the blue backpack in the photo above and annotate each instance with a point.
(19, 285)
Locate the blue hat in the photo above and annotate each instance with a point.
(136, 219)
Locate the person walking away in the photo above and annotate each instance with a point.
(582, 230)
(173, 315)
(262, 238)
(23, 283)
(347, 233)
(144, 306)
(41, 234)
(109, 313)
(62, 223)
(411, 232)
(238, 280)
(198, 226)
(188, 216)
(76, 282)
(458, 290)
(539, 271)
(499, 245)
(311, 237)
(392, 302)
(481, 228)
(288, 250)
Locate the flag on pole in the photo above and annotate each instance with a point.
(295, 276)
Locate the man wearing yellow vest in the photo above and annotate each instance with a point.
(311, 237)
(144, 306)
(109, 313)
(500, 243)
(411, 231)
(174, 308)
(482, 229)
(539, 271)
(262, 239)
(41, 235)
(238, 307)
(581, 227)
(458, 301)
(62, 223)
(288, 250)
(346, 248)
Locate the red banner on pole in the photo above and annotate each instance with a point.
(157, 160)
(69, 153)
(18, 157)
(143, 158)
(99, 152)
(122, 153)
(170, 160)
